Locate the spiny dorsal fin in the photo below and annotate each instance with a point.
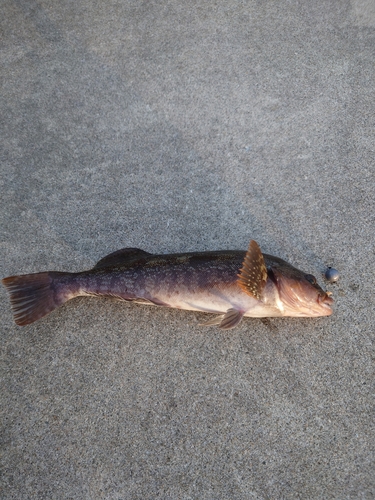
(121, 257)
(253, 275)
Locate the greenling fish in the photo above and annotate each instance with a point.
(230, 283)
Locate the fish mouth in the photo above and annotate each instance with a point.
(300, 297)
(325, 301)
(302, 306)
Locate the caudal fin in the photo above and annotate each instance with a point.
(32, 296)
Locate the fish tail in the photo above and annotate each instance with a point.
(34, 295)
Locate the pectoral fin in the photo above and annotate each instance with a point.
(226, 321)
(231, 319)
(253, 275)
(213, 321)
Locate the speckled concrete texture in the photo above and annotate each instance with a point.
(179, 126)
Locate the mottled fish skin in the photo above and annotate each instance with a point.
(196, 281)
(232, 283)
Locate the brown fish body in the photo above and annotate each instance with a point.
(231, 283)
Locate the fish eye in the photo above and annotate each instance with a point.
(311, 279)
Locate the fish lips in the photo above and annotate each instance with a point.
(325, 301)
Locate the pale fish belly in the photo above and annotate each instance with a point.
(217, 301)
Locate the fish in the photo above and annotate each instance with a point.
(229, 283)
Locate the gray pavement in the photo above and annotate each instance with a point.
(180, 126)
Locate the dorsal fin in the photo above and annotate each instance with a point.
(121, 257)
(253, 275)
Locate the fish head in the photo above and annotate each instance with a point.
(299, 293)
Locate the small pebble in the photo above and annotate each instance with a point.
(332, 275)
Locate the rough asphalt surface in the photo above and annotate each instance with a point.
(179, 126)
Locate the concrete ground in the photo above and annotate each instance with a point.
(180, 126)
